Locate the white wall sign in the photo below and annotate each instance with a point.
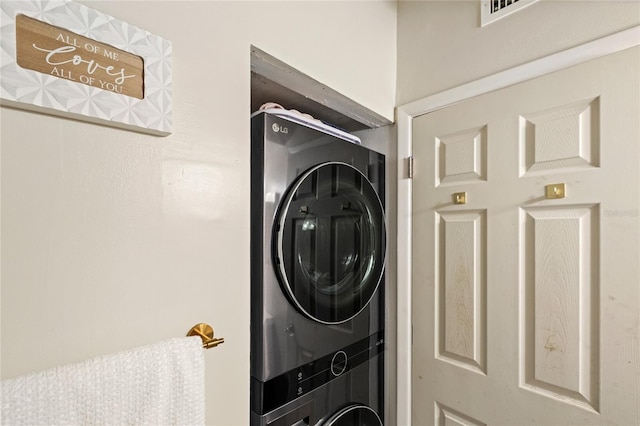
(63, 58)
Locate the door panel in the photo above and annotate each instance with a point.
(460, 306)
(446, 416)
(527, 308)
(560, 302)
(561, 138)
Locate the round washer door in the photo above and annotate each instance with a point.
(330, 242)
(354, 415)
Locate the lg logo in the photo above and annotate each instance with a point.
(276, 128)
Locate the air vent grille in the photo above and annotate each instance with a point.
(492, 10)
(497, 5)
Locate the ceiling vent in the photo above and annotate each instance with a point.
(492, 10)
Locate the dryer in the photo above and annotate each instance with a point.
(318, 242)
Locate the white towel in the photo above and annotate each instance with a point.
(159, 384)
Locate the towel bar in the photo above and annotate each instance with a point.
(205, 331)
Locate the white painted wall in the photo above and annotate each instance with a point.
(441, 44)
(113, 239)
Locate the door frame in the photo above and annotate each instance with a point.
(405, 114)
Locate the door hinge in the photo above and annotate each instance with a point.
(410, 167)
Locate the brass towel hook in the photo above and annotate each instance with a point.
(205, 331)
(459, 198)
(554, 191)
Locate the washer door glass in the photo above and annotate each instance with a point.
(330, 242)
(354, 415)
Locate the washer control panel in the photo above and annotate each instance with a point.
(338, 363)
(299, 381)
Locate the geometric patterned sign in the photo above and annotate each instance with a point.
(47, 92)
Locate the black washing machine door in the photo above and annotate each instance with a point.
(354, 415)
(330, 242)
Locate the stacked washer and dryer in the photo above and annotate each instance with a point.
(317, 275)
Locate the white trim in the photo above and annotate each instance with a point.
(403, 280)
(405, 115)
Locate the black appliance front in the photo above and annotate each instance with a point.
(317, 263)
(328, 249)
(353, 398)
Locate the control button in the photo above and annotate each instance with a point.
(338, 363)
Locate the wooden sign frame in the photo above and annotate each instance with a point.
(66, 59)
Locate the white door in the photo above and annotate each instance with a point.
(526, 310)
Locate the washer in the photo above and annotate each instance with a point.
(354, 398)
(318, 242)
